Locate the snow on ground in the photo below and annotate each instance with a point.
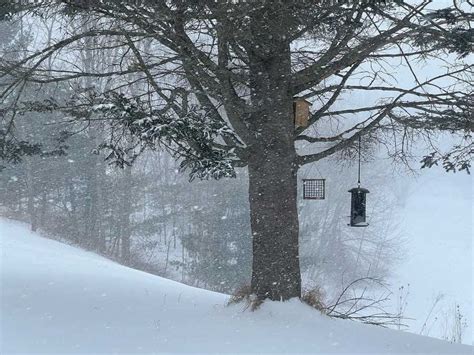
(59, 299)
(438, 224)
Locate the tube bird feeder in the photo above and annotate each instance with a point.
(358, 201)
(358, 207)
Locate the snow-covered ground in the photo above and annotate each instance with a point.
(438, 224)
(59, 299)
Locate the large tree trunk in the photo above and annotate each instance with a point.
(274, 221)
(272, 169)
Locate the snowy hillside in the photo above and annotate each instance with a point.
(438, 222)
(58, 299)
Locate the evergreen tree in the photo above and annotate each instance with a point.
(221, 78)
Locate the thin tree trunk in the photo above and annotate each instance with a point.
(72, 198)
(32, 212)
(91, 210)
(126, 212)
(44, 206)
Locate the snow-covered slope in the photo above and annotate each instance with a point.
(438, 221)
(59, 299)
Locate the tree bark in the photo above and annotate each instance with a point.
(32, 211)
(126, 213)
(273, 172)
(274, 221)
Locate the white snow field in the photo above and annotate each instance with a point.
(59, 299)
(438, 220)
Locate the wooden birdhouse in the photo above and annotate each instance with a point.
(301, 112)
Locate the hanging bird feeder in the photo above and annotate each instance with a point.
(358, 207)
(358, 203)
(314, 189)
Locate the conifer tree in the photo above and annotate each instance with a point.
(219, 80)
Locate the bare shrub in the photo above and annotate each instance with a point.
(356, 303)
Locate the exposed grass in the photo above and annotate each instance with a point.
(315, 298)
(244, 294)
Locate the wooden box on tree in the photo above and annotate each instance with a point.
(301, 112)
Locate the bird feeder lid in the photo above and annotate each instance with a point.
(358, 190)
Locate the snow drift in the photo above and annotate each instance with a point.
(59, 299)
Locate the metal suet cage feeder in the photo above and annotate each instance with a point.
(314, 189)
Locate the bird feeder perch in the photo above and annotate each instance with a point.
(301, 112)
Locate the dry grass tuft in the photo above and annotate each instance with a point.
(244, 294)
(315, 299)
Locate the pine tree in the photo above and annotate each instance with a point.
(219, 81)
